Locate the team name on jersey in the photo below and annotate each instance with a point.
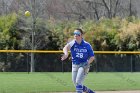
(80, 50)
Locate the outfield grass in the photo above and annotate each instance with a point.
(12, 82)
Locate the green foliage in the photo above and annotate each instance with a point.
(7, 32)
(9, 39)
(128, 37)
(63, 30)
(105, 34)
(101, 34)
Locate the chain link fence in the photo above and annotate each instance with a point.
(51, 62)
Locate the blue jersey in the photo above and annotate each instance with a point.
(80, 52)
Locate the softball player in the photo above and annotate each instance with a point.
(82, 56)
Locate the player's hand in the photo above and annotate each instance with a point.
(64, 57)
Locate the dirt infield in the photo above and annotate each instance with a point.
(137, 91)
(118, 92)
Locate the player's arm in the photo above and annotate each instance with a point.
(90, 60)
(91, 54)
(65, 51)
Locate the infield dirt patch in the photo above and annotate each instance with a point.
(118, 92)
(135, 91)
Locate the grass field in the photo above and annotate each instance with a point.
(22, 82)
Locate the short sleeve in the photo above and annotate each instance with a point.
(91, 52)
(71, 43)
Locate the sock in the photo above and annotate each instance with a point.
(79, 89)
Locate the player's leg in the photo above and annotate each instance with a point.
(78, 75)
(79, 80)
(85, 89)
(74, 73)
(81, 74)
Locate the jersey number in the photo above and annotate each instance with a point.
(80, 55)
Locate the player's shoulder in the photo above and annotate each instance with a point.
(86, 43)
